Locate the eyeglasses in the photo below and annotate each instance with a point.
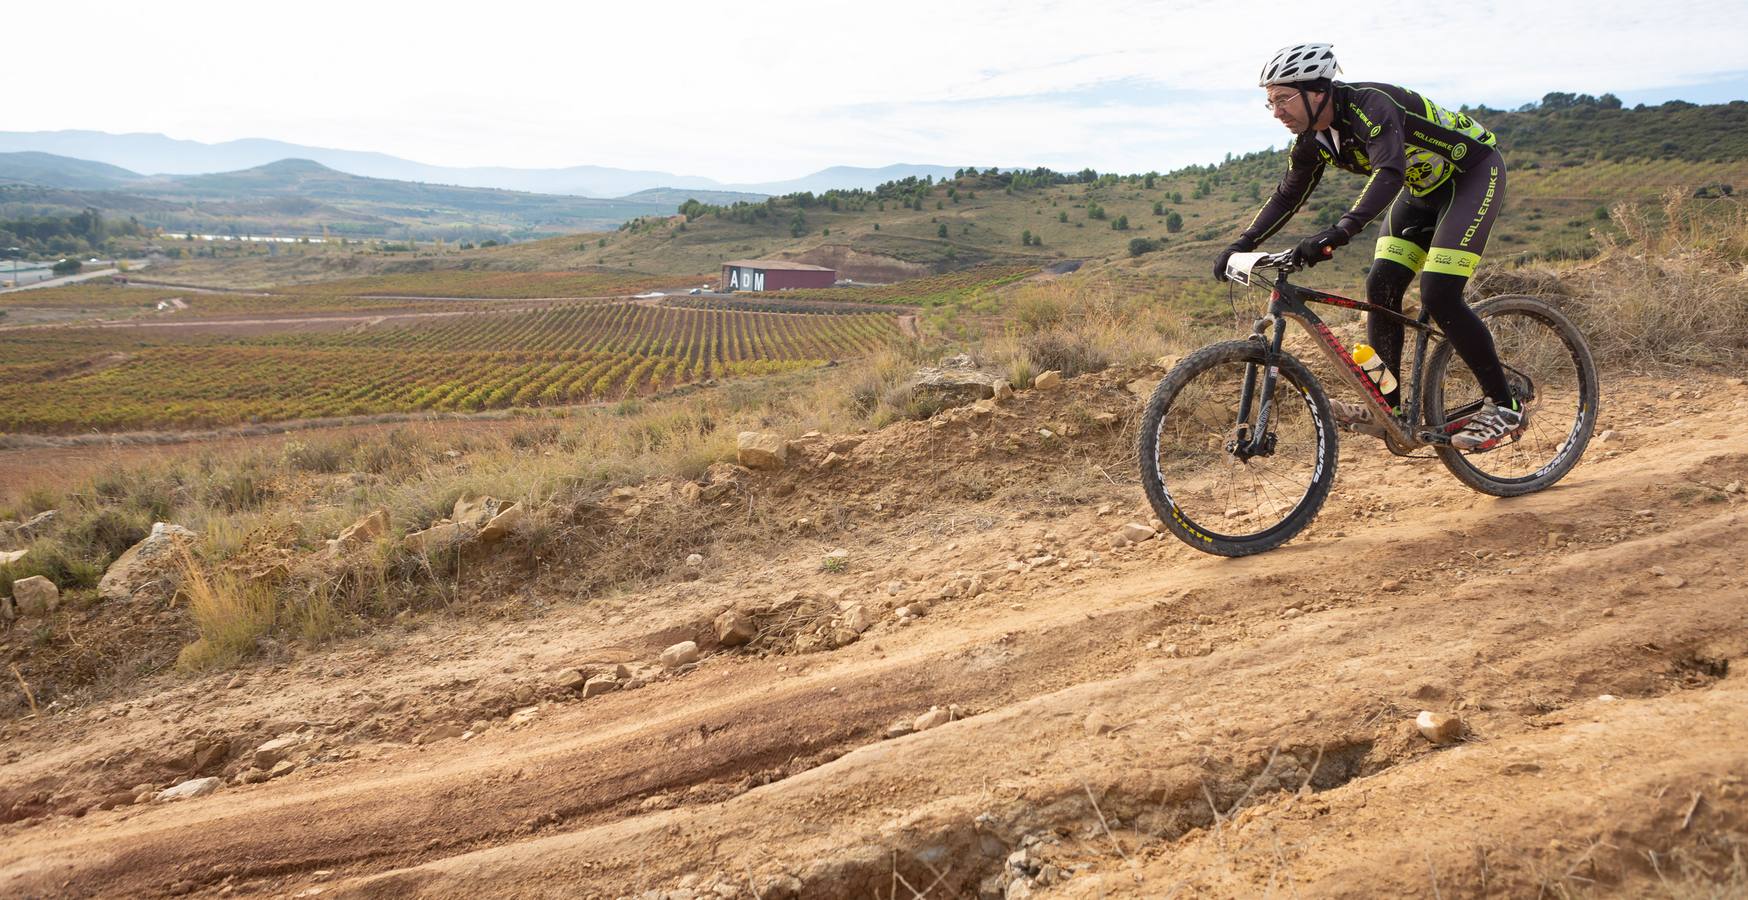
(1272, 105)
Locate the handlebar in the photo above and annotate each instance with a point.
(1240, 266)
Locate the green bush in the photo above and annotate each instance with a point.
(52, 561)
(105, 534)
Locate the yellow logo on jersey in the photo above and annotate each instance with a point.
(1376, 129)
(1459, 151)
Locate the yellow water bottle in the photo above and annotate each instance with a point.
(1373, 365)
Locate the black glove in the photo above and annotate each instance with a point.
(1319, 247)
(1226, 254)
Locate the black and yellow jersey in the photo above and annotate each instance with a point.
(1398, 137)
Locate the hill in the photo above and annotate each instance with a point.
(676, 196)
(1569, 161)
(303, 197)
(847, 178)
(159, 154)
(49, 170)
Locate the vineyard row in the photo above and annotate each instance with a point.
(566, 355)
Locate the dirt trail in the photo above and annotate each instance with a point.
(1135, 722)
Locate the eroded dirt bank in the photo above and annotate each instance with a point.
(1142, 721)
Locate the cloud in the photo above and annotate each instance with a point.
(770, 90)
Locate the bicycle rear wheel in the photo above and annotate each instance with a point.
(1553, 377)
(1208, 493)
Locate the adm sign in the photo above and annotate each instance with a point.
(740, 279)
(774, 275)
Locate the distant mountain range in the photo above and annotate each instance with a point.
(155, 153)
(300, 196)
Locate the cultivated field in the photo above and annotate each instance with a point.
(70, 380)
(962, 287)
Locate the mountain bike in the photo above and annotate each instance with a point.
(1238, 444)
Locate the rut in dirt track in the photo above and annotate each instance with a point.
(1206, 696)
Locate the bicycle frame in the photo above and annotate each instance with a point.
(1290, 302)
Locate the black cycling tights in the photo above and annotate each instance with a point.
(1442, 295)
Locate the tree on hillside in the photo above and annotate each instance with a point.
(941, 230)
(1174, 223)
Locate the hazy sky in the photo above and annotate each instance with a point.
(765, 90)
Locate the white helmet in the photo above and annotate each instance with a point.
(1300, 62)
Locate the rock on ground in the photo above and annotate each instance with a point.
(761, 450)
(145, 565)
(500, 525)
(188, 790)
(35, 596)
(734, 628)
(435, 538)
(680, 654)
(600, 684)
(954, 386)
(35, 526)
(365, 530)
(1439, 728)
(1137, 532)
(934, 718)
(570, 679)
(475, 509)
(271, 752)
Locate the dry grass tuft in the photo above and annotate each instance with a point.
(1080, 325)
(1670, 290)
(230, 613)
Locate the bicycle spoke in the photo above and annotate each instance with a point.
(1216, 489)
(1536, 356)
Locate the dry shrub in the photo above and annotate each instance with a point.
(1079, 325)
(879, 388)
(314, 613)
(1069, 352)
(325, 457)
(1671, 289)
(229, 611)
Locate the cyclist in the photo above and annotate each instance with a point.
(1439, 182)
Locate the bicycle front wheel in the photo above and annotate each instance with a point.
(1552, 376)
(1208, 488)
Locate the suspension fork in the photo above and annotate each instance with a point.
(1254, 441)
